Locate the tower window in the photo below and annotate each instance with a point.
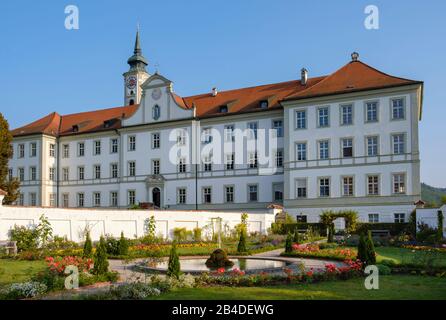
(132, 92)
(132, 102)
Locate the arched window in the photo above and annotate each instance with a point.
(132, 102)
(156, 112)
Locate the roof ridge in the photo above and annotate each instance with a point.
(98, 110)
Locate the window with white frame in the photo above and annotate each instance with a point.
(80, 173)
(155, 140)
(252, 193)
(301, 188)
(97, 171)
(66, 150)
(52, 174)
(229, 133)
(33, 149)
(346, 114)
(372, 146)
(278, 192)
(21, 150)
(96, 199)
(206, 135)
(371, 111)
(252, 130)
(132, 168)
(373, 185)
(207, 195)
(181, 196)
(52, 150)
(398, 143)
(97, 147)
(21, 174)
(323, 117)
(301, 151)
(52, 199)
(131, 197)
(114, 170)
(155, 166)
(398, 109)
(65, 174)
(80, 149)
(132, 143)
(324, 149)
(181, 166)
(347, 147)
(113, 198)
(278, 126)
(399, 217)
(252, 160)
(373, 217)
(181, 137)
(301, 119)
(21, 199)
(114, 145)
(80, 200)
(229, 194)
(32, 173)
(399, 183)
(279, 158)
(65, 200)
(347, 186)
(33, 199)
(207, 162)
(324, 187)
(10, 174)
(229, 161)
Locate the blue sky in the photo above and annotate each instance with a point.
(228, 44)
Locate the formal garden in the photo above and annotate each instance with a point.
(296, 260)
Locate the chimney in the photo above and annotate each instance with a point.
(214, 91)
(303, 76)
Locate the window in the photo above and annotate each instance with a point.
(97, 171)
(132, 168)
(52, 150)
(223, 109)
(263, 104)
(371, 111)
(114, 170)
(229, 194)
(347, 148)
(155, 140)
(373, 185)
(399, 217)
(372, 146)
(80, 200)
(301, 119)
(229, 161)
(65, 174)
(66, 150)
(32, 173)
(97, 147)
(181, 195)
(52, 199)
(181, 165)
(113, 199)
(33, 149)
(96, 199)
(52, 174)
(399, 183)
(278, 192)
(21, 199)
(279, 158)
(398, 111)
(301, 188)
(80, 149)
(132, 143)
(229, 133)
(278, 126)
(207, 162)
(65, 200)
(398, 143)
(206, 135)
(324, 149)
(207, 195)
(347, 115)
(347, 186)
(324, 187)
(80, 173)
(252, 160)
(131, 197)
(114, 145)
(156, 112)
(373, 218)
(156, 166)
(301, 150)
(33, 199)
(252, 193)
(323, 117)
(252, 130)
(181, 137)
(21, 152)
(10, 174)
(21, 174)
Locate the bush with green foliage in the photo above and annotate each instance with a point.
(384, 270)
(123, 245)
(289, 243)
(296, 236)
(27, 238)
(362, 249)
(133, 291)
(284, 229)
(219, 259)
(150, 229)
(439, 225)
(174, 267)
(87, 251)
(394, 228)
(181, 234)
(197, 234)
(426, 234)
(241, 247)
(112, 245)
(100, 258)
(370, 249)
(23, 290)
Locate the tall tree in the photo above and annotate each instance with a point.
(10, 186)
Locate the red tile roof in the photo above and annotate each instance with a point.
(354, 76)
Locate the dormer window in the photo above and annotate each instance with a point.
(107, 123)
(75, 128)
(224, 109)
(263, 104)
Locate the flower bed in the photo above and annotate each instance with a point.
(311, 250)
(425, 248)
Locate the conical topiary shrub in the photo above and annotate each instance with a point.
(100, 258)
(362, 254)
(370, 249)
(174, 267)
(123, 245)
(241, 247)
(88, 247)
(289, 243)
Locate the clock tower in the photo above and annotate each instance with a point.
(135, 77)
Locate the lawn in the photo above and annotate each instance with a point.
(391, 287)
(402, 255)
(18, 270)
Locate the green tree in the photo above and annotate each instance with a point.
(123, 245)
(88, 246)
(443, 199)
(150, 228)
(241, 247)
(296, 238)
(370, 249)
(100, 258)
(289, 243)
(6, 151)
(173, 269)
(44, 231)
(440, 225)
(362, 249)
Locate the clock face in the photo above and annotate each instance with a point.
(156, 93)
(131, 82)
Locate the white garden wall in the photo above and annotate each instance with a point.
(429, 216)
(73, 222)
